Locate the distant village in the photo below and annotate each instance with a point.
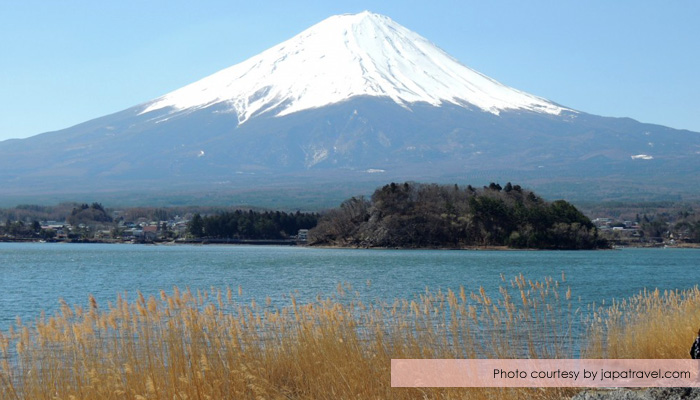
(137, 231)
(95, 224)
(646, 234)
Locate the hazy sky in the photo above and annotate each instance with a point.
(65, 62)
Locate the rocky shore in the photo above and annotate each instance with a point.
(686, 393)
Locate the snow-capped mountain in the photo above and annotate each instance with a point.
(351, 103)
(346, 56)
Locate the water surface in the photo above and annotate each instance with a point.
(33, 276)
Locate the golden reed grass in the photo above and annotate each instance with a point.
(207, 345)
(652, 324)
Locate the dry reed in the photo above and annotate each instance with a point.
(208, 345)
(649, 325)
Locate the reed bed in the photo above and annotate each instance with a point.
(652, 324)
(208, 345)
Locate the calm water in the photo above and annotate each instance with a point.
(34, 276)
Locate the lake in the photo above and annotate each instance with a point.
(33, 276)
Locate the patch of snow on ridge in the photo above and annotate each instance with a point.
(314, 155)
(346, 56)
(642, 157)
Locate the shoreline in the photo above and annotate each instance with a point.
(292, 242)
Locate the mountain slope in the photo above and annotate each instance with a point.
(346, 56)
(351, 103)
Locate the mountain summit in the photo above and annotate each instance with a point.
(353, 102)
(343, 57)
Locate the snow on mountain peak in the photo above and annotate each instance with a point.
(346, 56)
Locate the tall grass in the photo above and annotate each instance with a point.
(651, 324)
(208, 345)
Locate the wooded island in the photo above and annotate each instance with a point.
(416, 215)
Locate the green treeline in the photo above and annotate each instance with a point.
(250, 224)
(414, 215)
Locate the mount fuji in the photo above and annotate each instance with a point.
(346, 56)
(352, 102)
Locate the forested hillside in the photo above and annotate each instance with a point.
(414, 215)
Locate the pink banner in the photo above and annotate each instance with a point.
(545, 373)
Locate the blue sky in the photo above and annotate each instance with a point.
(65, 62)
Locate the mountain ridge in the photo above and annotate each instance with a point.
(208, 147)
(342, 57)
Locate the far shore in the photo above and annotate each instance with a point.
(294, 242)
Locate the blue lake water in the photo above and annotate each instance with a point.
(33, 276)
